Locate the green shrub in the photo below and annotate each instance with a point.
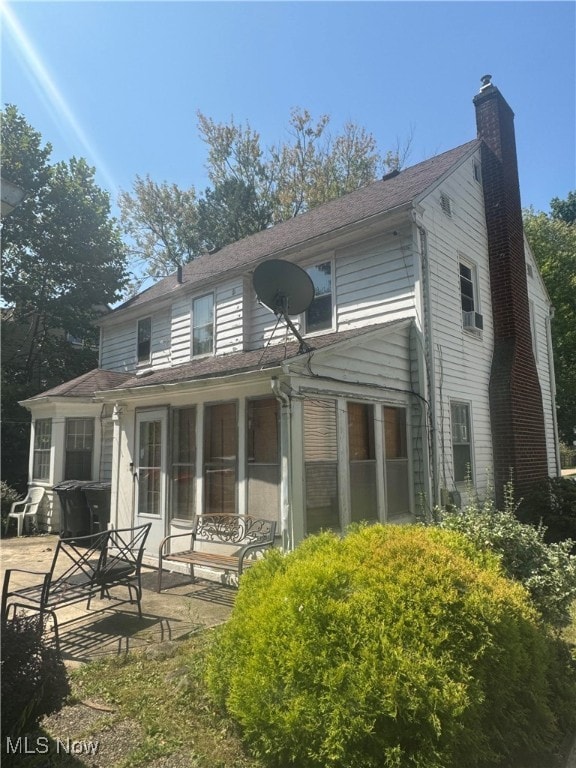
(396, 647)
(547, 571)
(7, 497)
(34, 680)
(552, 502)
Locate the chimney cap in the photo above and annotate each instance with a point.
(486, 81)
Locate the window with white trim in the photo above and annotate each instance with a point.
(183, 473)
(203, 325)
(319, 313)
(79, 446)
(144, 340)
(42, 449)
(461, 442)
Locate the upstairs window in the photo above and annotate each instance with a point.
(144, 340)
(319, 313)
(203, 325)
(79, 449)
(42, 448)
(467, 288)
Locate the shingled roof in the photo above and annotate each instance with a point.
(371, 200)
(86, 385)
(242, 362)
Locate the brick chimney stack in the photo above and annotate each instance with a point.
(517, 414)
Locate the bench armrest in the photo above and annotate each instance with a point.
(244, 551)
(190, 533)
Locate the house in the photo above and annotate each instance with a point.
(427, 362)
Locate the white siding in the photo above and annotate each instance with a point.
(119, 343)
(181, 331)
(229, 317)
(375, 281)
(105, 473)
(119, 347)
(462, 358)
(540, 306)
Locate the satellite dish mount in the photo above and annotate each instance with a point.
(285, 289)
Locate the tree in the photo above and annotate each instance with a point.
(162, 223)
(63, 261)
(252, 188)
(552, 238)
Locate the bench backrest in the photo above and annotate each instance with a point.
(233, 529)
(83, 562)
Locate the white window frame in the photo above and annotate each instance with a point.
(192, 325)
(475, 283)
(41, 453)
(469, 442)
(332, 325)
(143, 360)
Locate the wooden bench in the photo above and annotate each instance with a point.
(82, 568)
(236, 539)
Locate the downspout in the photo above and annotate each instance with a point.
(553, 391)
(429, 361)
(116, 451)
(286, 464)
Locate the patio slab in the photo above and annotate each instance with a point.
(113, 626)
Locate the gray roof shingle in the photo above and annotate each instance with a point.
(86, 384)
(373, 199)
(242, 362)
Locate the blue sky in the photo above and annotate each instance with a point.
(120, 82)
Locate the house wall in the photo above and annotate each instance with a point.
(50, 513)
(542, 347)
(461, 358)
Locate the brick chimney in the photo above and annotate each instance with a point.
(516, 410)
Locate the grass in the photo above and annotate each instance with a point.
(164, 693)
(161, 697)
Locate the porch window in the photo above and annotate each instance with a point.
(461, 442)
(396, 463)
(183, 475)
(42, 448)
(321, 465)
(362, 458)
(203, 325)
(79, 443)
(263, 458)
(319, 313)
(144, 339)
(220, 457)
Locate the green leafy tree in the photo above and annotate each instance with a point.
(161, 221)
(63, 262)
(252, 187)
(552, 238)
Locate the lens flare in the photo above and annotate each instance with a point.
(45, 85)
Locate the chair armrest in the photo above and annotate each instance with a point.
(24, 502)
(191, 534)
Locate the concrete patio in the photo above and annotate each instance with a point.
(112, 626)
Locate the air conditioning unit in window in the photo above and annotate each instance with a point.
(473, 321)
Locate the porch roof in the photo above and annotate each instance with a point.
(83, 386)
(242, 362)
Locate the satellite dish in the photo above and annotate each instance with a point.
(286, 289)
(283, 287)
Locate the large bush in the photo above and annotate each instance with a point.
(552, 502)
(546, 570)
(396, 647)
(34, 679)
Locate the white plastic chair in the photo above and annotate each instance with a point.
(30, 508)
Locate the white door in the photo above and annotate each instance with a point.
(150, 474)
